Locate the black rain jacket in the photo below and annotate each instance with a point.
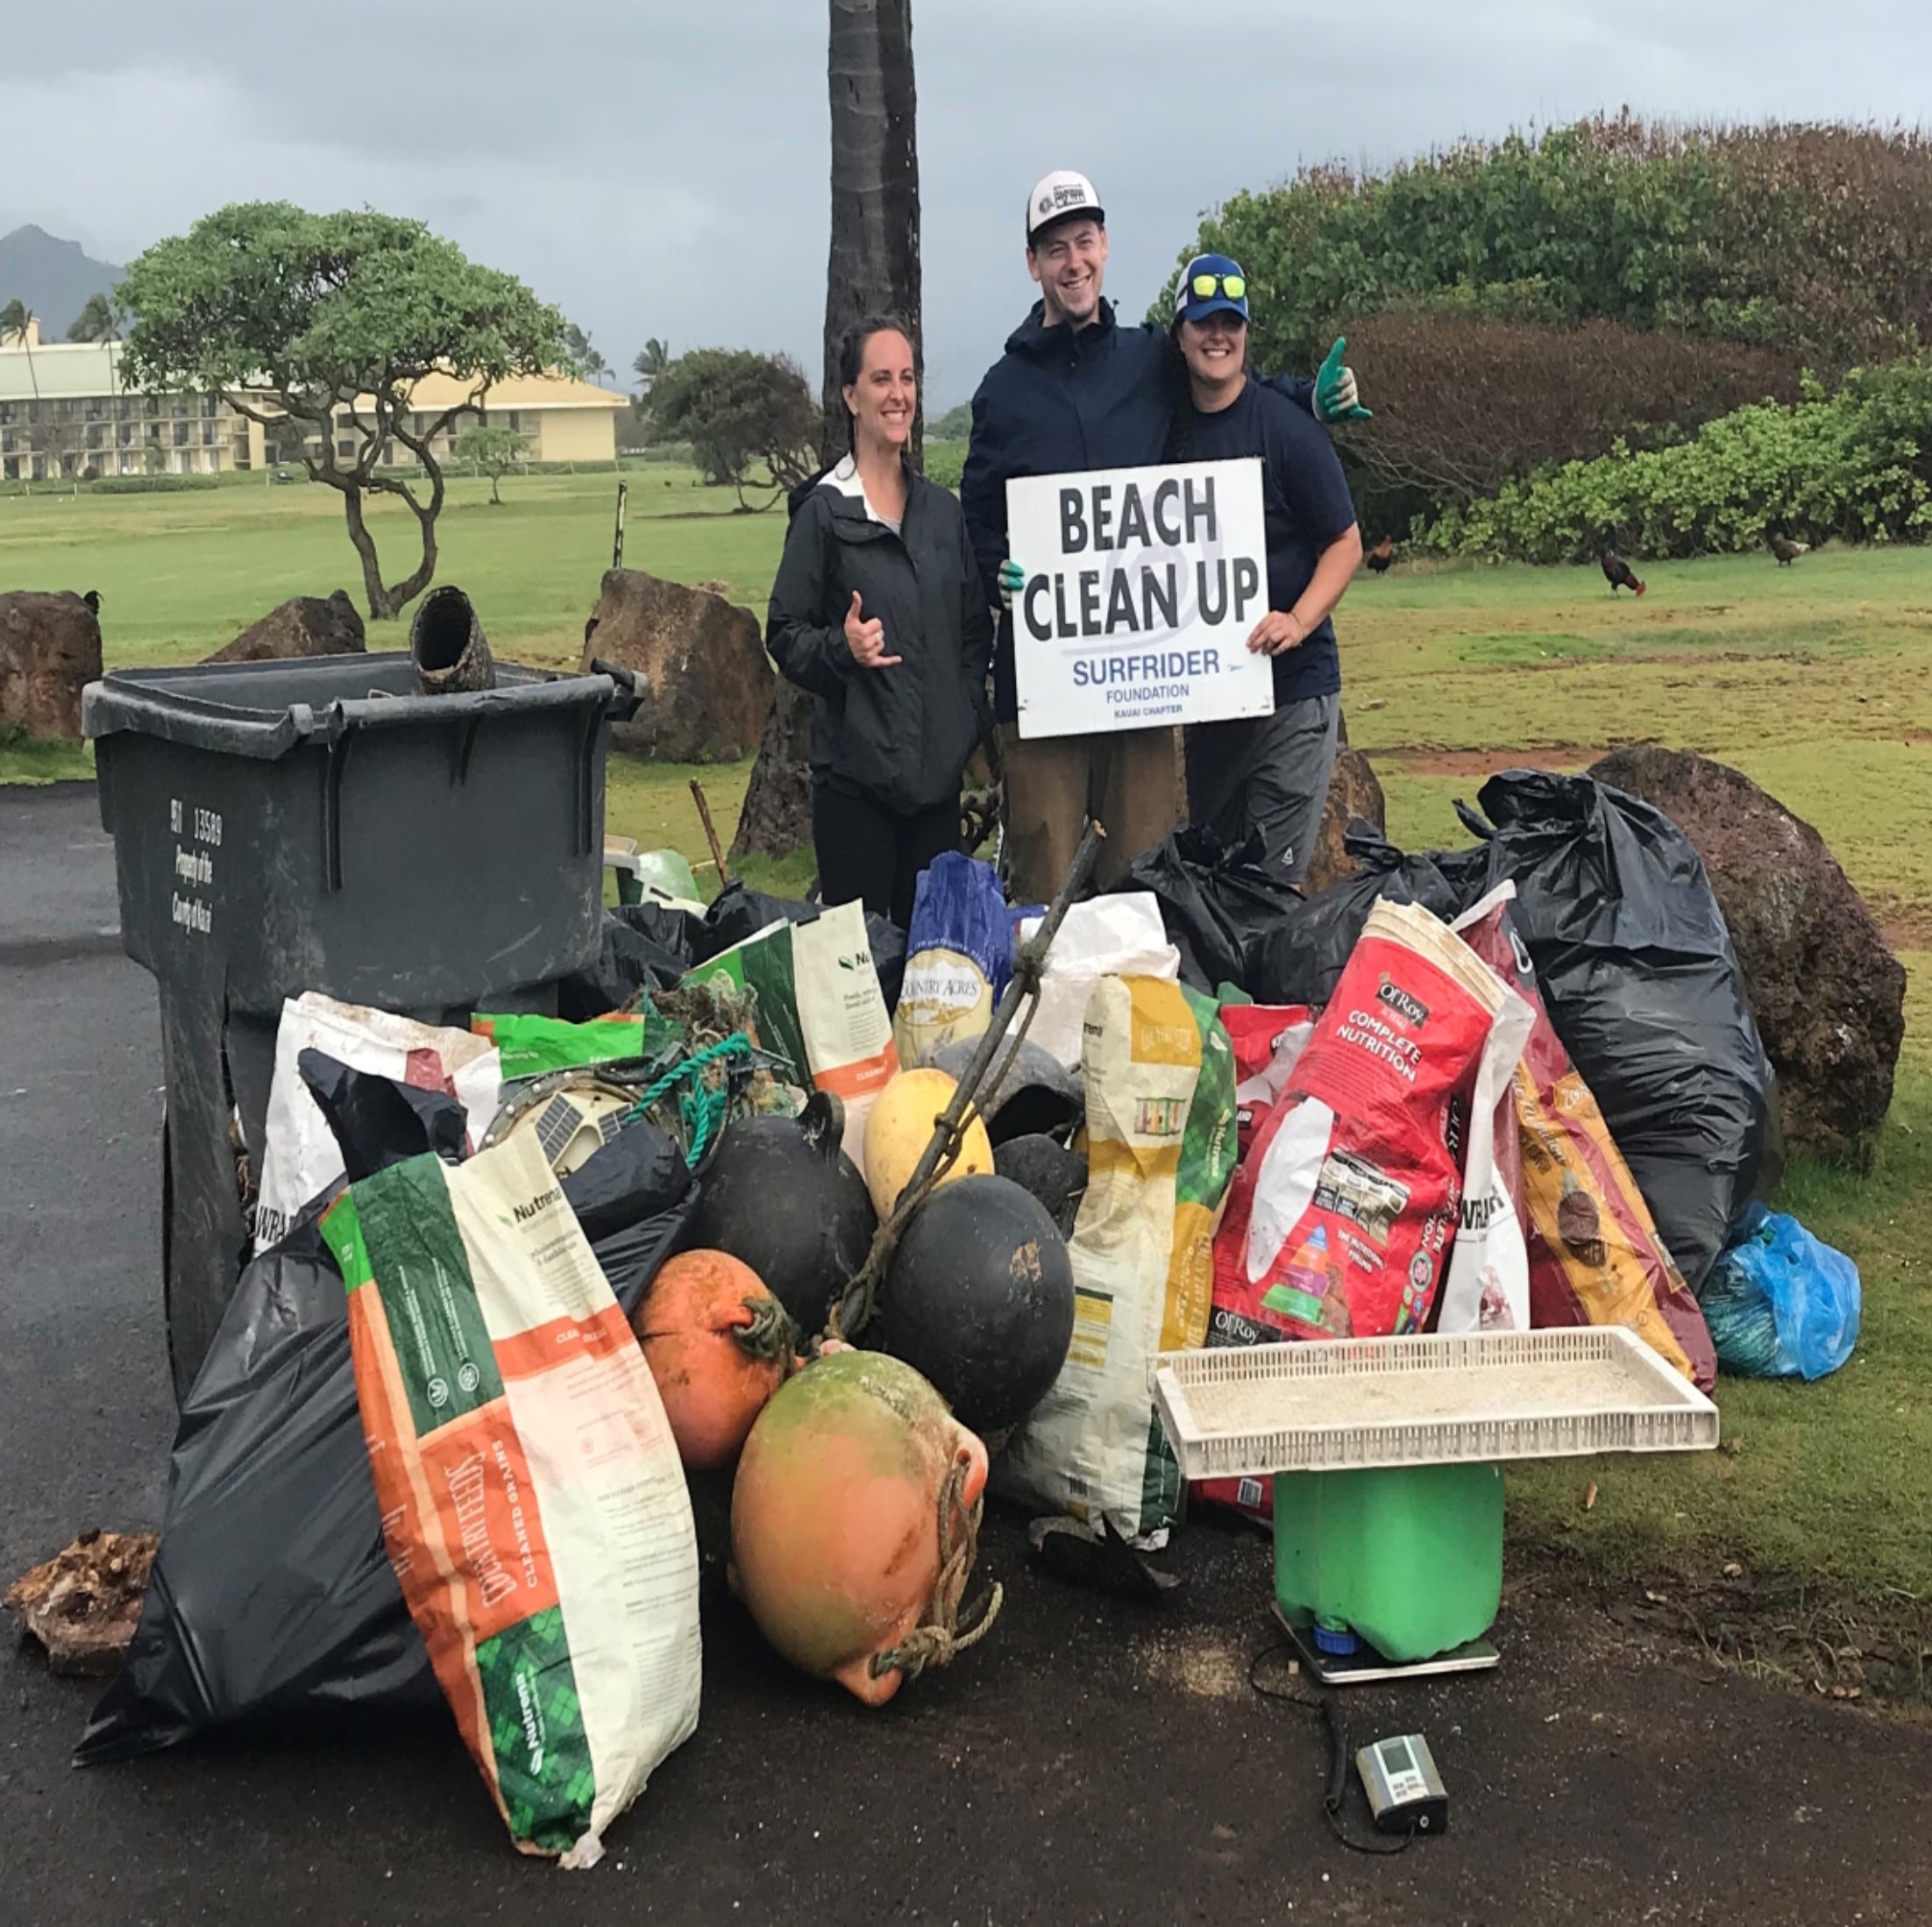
(900, 737)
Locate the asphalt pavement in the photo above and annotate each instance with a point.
(1095, 1760)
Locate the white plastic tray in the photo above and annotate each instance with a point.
(1332, 1406)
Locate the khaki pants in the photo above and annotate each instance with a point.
(1125, 780)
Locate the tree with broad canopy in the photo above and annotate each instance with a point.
(737, 407)
(331, 320)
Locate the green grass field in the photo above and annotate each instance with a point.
(1811, 679)
(181, 574)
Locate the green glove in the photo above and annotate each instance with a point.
(1336, 398)
(1012, 579)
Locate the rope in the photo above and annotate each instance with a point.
(702, 1110)
(937, 1639)
(856, 1304)
(853, 1309)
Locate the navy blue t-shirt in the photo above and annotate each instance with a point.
(1308, 505)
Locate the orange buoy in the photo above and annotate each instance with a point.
(719, 1345)
(855, 1521)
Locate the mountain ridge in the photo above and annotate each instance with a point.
(52, 276)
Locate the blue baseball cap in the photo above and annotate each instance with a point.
(1212, 284)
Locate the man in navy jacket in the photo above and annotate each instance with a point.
(1076, 389)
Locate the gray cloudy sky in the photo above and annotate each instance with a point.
(660, 168)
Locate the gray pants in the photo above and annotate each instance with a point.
(1267, 773)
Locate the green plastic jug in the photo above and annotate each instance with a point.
(1408, 1558)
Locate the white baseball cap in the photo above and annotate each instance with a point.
(1058, 196)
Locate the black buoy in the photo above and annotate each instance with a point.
(978, 1298)
(1036, 1095)
(779, 1195)
(1048, 1171)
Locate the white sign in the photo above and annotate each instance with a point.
(1142, 587)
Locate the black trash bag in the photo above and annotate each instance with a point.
(886, 942)
(376, 1121)
(272, 1598)
(1219, 904)
(643, 947)
(1299, 959)
(738, 912)
(636, 1201)
(1636, 966)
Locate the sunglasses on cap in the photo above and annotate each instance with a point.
(1206, 287)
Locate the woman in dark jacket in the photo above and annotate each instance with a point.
(879, 611)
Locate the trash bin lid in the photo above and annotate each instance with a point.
(265, 709)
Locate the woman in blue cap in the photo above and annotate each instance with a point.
(1268, 773)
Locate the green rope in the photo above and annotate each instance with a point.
(700, 1110)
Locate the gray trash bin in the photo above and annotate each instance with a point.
(317, 824)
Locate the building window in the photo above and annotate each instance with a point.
(346, 450)
(181, 435)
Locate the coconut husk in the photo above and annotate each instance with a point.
(84, 1604)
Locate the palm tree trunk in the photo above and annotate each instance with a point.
(874, 266)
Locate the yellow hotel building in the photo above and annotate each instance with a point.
(65, 411)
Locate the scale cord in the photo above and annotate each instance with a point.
(1323, 1705)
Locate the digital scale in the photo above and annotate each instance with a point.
(1387, 1455)
(1405, 1792)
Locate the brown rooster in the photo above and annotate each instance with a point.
(1787, 551)
(1618, 573)
(1381, 556)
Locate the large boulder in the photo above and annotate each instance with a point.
(50, 650)
(304, 625)
(1353, 792)
(1829, 994)
(708, 679)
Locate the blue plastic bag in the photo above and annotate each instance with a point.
(1780, 1303)
(958, 958)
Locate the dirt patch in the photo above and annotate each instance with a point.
(1189, 1662)
(1425, 761)
(1778, 1630)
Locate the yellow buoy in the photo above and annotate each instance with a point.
(900, 1127)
